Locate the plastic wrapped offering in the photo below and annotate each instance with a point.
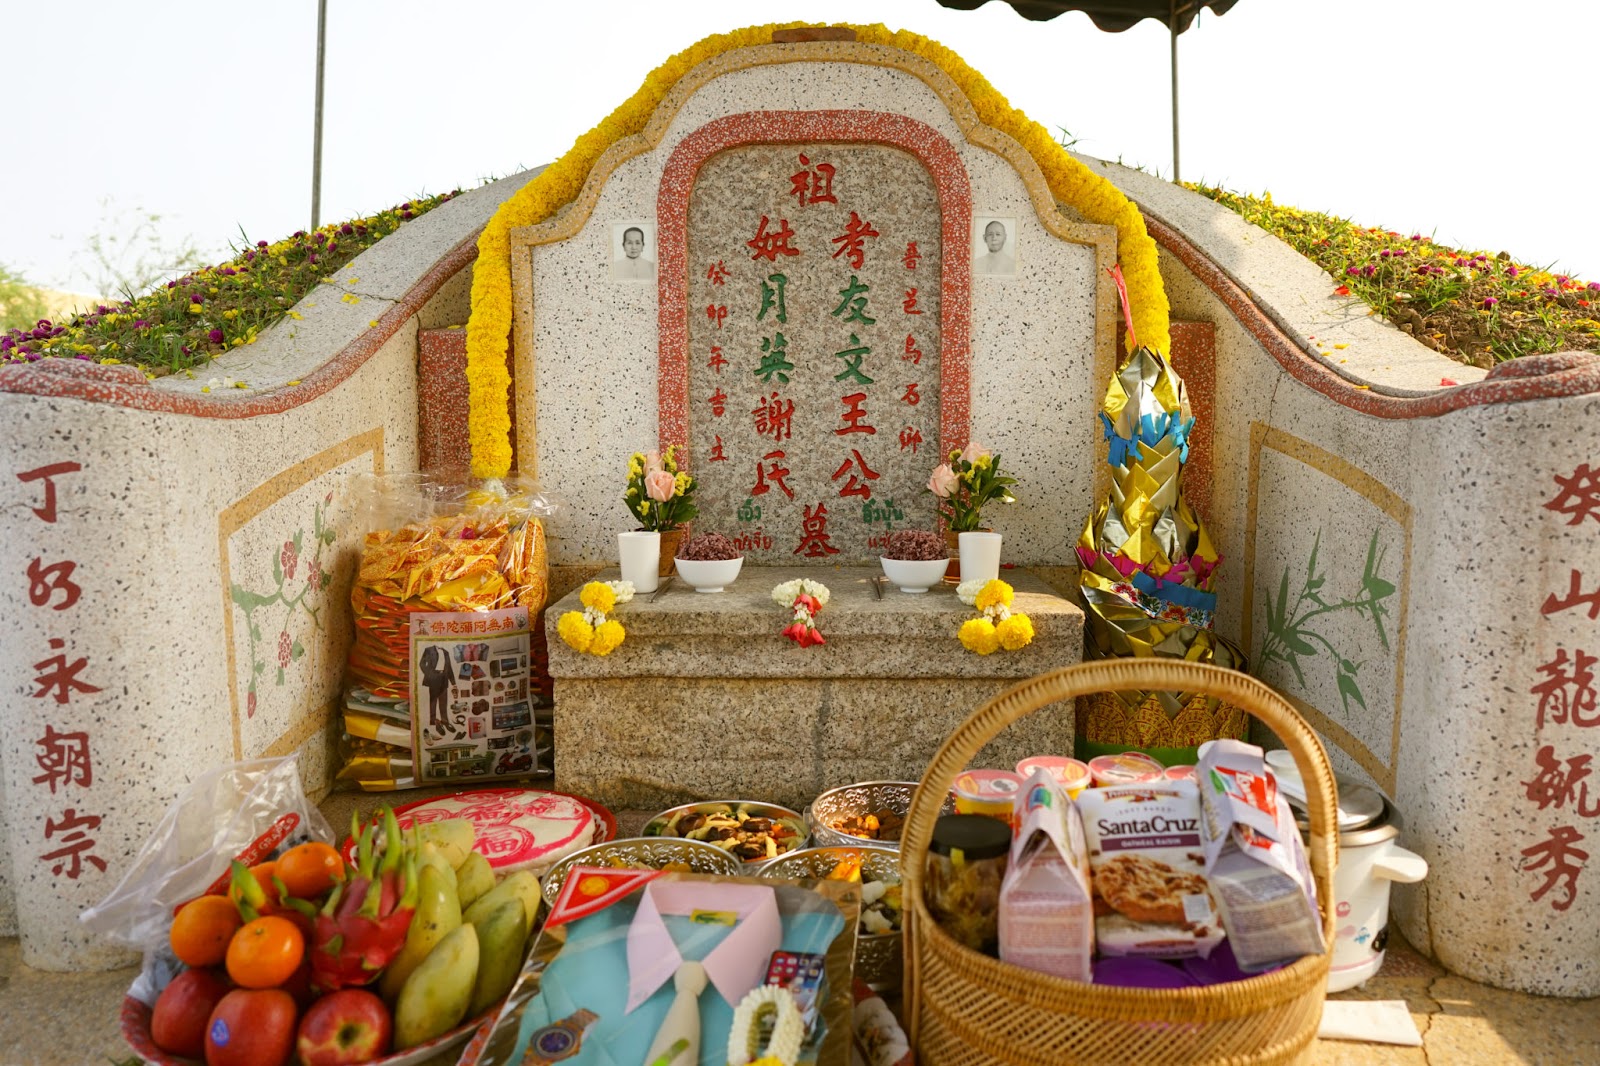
(452, 581)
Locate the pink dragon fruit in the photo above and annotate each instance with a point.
(363, 924)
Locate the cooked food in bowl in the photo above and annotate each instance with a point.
(751, 832)
(881, 824)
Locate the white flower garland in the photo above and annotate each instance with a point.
(788, 1029)
(805, 598)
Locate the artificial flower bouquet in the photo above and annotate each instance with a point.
(660, 495)
(965, 483)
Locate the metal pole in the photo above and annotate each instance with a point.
(1172, 27)
(316, 147)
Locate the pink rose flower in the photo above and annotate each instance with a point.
(659, 485)
(943, 481)
(974, 452)
(652, 462)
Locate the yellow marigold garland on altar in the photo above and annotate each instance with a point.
(589, 630)
(998, 627)
(489, 422)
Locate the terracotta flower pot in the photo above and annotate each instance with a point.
(670, 540)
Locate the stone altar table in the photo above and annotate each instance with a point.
(706, 698)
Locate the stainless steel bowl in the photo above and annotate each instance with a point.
(862, 798)
(878, 955)
(654, 852)
(657, 826)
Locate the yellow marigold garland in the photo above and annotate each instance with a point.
(998, 627)
(589, 630)
(488, 382)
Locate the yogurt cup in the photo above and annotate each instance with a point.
(1181, 773)
(1124, 768)
(1070, 774)
(990, 792)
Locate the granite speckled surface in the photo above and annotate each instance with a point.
(690, 706)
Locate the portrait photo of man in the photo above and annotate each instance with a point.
(994, 251)
(633, 251)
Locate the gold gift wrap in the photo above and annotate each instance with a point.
(1148, 566)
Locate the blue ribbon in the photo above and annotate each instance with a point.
(1171, 592)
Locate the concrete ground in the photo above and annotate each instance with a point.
(51, 1019)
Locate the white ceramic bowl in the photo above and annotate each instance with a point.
(709, 575)
(915, 575)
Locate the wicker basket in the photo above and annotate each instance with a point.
(966, 1008)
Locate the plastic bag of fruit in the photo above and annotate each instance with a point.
(249, 811)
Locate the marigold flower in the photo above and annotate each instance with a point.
(598, 594)
(607, 637)
(1015, 632)
(978, 634)
(994, 594)
(575, 631)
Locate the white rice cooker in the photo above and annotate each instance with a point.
(1370, 858)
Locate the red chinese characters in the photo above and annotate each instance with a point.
(852, 242)
(853, 415)
(911, 396)
(912, 257)
(717, 313)
(64, 758)
(1556, 783)
(73, 848)
(910, 437)
(1575, 596)
(717, 273)
(774, 418)
(773, 474)
(857, 485)
(716, 362)
(769, 245)
(912, 354)
(45, 581)
(1579, 495)
(909, 304)
(719, 402)
(58, 678)
(717, 455)
(1567, 692)
(48, 474)
(814, 539)
(814, 184)
(1553, 857)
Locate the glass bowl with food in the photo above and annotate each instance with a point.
(642, 853)
(751, 831)
(877, 870)
(870, 812)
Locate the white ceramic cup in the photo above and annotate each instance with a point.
(640, 554)
(980, 556)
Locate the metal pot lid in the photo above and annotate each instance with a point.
(1365, 817)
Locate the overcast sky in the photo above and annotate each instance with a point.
(1471, 119)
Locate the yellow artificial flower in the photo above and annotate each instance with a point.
(607, 636)
(680, 484)
(1015, 632)
(977, 634)
(575, 630)
(994, 594)
(598, 595)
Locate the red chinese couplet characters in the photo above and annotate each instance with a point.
(75, 842)
(1554, 856)
(909, 304)
(1579, 497)
(814, 543)
(58, 678)
(1575, 596)
(716, 362)
(717, 313)
(813, 185)
(717, 273)
(1567, 693)
(912, 257)
(910, 437)
(717, 455)
(64, 759)
(1556, 785)
(45, 581)
(719, 402)
(47, 474)
(911, 396)
(912, 354)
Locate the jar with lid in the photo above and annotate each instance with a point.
(967, 860)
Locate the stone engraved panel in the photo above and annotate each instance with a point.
(814, 275)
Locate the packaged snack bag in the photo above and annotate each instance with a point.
(1254, 858)
(1046, 916)
(1151, 896)
(443, 681)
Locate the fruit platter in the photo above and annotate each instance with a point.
(391, 957)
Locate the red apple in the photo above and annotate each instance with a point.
(178, 1022)
(251, 1027)
(344, 1028)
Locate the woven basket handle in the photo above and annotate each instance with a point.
(1116, 675)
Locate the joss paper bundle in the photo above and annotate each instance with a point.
(441, 678)
(1148, 572)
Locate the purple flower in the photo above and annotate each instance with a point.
(321, 238)
(141, 324)
(261, 244)
(312, 257)
(196, 298)
(298, 234)
(1594, 284)
(406, 206)
(347, 229)
(7, 343)
(215, 336)
(172, 284)
(1351, 272)
(82, 355)
(1488, 302)
(1384, 254)
(1512, 272)
(407, 215)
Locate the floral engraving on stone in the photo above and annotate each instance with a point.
(300, 584)
(1291, 638)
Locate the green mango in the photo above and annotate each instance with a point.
(438, 912)
(434, 999)
(473, 879)
(501, 935)
(453, 836)
(520, 885)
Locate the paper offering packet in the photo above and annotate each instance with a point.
(1254, 858)
(1150, 892)
(1046, 916)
